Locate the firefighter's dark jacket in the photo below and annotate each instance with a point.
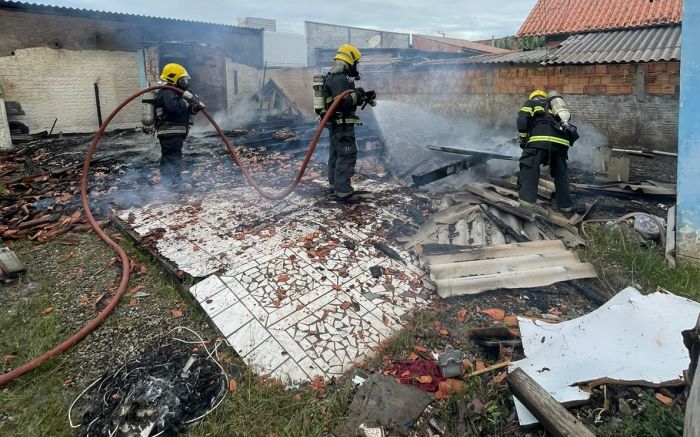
(333, 85)
(174, 109)
(537, 123)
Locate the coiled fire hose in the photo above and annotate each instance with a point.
(123, 257)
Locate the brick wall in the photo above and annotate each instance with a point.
(634, 105)
(248, 82)
(51, 83)
(122, 33)
(297, 85)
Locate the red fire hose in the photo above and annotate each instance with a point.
(123, 257)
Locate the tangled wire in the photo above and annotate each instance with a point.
(173, 384)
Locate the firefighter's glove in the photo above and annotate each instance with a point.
(189, 96)
(361, 95)
(523, 142)
(371, 98)
(193, 100)
(198, 106)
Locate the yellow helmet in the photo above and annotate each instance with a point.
(538, 93)
(172, 73)
(348, 53)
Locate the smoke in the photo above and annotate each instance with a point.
(408, 130)
(584, 154)
(243, 114)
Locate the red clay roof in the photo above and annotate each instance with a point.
(550, 17)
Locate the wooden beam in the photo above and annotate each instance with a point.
(479, 153)
(691, 426)
(442, 172)
(555, 418)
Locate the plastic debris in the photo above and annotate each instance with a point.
(646, 226)
(632, 339)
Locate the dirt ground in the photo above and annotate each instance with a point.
(72, 276)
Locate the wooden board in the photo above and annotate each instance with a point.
(477, 153)
(671, 236)
(555, 418)
(520, 279)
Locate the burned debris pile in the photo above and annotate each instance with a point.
(38, 195)
(172, 384)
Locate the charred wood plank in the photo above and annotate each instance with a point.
(442, 172)
(555, 418)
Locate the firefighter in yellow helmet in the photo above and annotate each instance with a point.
(545, 136)
(173, 111)
(343, 147)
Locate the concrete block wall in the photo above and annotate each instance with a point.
(56, 83)
(633, 105)
(330, 36)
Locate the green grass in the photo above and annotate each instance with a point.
(36, 403)
(657, 420)
(622, 260)
(459, 419)
(2, 189)
(260, 408)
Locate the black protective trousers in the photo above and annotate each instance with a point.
(341, 158)
(171, 159)
(530, 162)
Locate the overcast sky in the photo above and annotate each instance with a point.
(470, 19)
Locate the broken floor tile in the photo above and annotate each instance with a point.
(289, 296)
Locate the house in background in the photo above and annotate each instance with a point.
(55, 73)
(557, 20)
(453, 45)
(331, 36)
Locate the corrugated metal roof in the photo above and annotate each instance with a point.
(550, 17)
(631, 45)
(103, 15)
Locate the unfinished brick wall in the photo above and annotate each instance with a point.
(242, 82)
(297, 85)
(51, 83)
(633, 105)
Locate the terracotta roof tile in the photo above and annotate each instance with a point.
(550, 17)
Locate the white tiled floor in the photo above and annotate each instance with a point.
(286, 311)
